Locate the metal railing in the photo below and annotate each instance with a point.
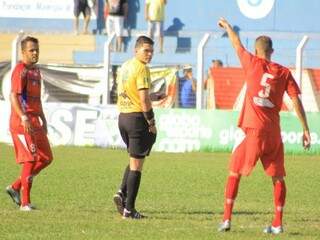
(102, 95)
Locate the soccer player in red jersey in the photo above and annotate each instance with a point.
(259, 119)
(29, 134)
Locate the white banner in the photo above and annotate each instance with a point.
(57, 9)
(73, 124)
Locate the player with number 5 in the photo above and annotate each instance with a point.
(259, 119)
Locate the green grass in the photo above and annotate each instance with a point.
(181, 193)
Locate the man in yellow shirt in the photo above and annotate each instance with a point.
(154, 14)
(136, 123)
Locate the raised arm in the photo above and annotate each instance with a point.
(233, 36)
(298, 107)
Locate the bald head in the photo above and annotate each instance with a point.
(263, 46)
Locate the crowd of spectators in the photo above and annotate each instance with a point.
(116, 18)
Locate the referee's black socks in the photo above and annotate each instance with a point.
(133, 184)
(123, 187)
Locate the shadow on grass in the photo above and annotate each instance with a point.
(295, 234)
(307, 220)
(206, 212)
(250, 213)
(181, 212)
(178, 214)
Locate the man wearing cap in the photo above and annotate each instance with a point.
(187, 87)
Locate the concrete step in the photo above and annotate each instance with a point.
(54, 48)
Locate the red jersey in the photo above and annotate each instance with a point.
(266, 84)
(26, 82)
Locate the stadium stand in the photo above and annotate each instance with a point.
(180, 44)
(55, 48)
(175, 52)
(182, 49)
(89, 50)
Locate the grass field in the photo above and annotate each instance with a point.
(181, 193)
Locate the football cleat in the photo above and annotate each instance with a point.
(15, 195)
(225, 226)
(134, 214)
(273, 230)
(119, 201)
(27, 208)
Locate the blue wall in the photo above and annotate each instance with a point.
(195, 17)
(201, 15)
(286, 15)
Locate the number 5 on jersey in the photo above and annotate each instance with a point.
(263, 94)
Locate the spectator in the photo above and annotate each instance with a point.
(81, 6)
(154, 14)
(215, 63)
(209, 84)
(113, 92)
(117, 13)
(187, 87)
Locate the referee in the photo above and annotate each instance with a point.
(136, 123)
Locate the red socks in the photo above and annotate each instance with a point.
(26, 182)
(17, 184)
(38, 166)
(279, 194)
(231, 192)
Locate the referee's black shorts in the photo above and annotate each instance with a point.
(135, 133)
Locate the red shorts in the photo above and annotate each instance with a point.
(259, 145)
(32, 147)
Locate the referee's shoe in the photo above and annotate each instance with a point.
(119, 201)
(133, 214)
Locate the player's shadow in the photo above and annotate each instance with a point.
(168, 214)
(250, 213)
(208, 212)
(177, 214)
(298, 234)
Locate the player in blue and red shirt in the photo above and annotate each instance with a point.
(28, 125)
(266, 84)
